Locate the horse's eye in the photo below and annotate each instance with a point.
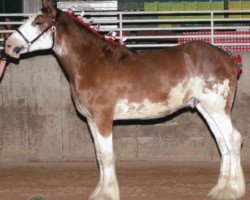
(39, 23)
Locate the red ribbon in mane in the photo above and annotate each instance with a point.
(70, 12)
(238, 60)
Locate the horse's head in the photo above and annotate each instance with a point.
(35, 34)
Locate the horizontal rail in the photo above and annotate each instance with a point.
(16, 14)
(11, 23)
(103, 21)
(96, 13)
(6, 31)
(198, 28)
(149, 45)
(185, 36)
(172, 45)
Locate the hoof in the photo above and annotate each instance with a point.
(107, 192)
(227, 193)
(96, 192)
(103, 196)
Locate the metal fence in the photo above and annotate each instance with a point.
(12, 20)
(163, 28)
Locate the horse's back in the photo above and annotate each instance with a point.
(197, 58)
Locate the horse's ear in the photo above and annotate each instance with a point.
(49, 6)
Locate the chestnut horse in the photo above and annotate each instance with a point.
(109, 82)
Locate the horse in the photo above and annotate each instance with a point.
(110, 82)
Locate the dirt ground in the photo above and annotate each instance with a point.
(138, 181)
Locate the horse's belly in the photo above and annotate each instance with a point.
(143, 110)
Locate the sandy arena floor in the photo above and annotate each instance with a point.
(138, 181)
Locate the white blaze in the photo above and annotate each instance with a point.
(30, 32)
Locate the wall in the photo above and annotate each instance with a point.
(38, 122)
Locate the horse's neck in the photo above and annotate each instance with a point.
(76, 46)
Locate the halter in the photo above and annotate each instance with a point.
(32, 41)
(51, 27)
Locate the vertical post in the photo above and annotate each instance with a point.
(120, 25)
(212, 27)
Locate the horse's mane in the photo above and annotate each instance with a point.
(108, 46)
(95, 32)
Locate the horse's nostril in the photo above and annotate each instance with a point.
(17, 50)
(8, 46)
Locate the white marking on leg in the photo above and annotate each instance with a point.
(231, 183)
(235, 187)
(108, 186)
(236, 175)
(225, 162)
(94, 132)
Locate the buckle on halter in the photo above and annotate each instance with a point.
(53, 29)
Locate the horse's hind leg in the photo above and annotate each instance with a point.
(231, 183)
(235, 187)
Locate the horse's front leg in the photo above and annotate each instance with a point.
(107, 188)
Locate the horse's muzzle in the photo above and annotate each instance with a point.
(13, 51)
